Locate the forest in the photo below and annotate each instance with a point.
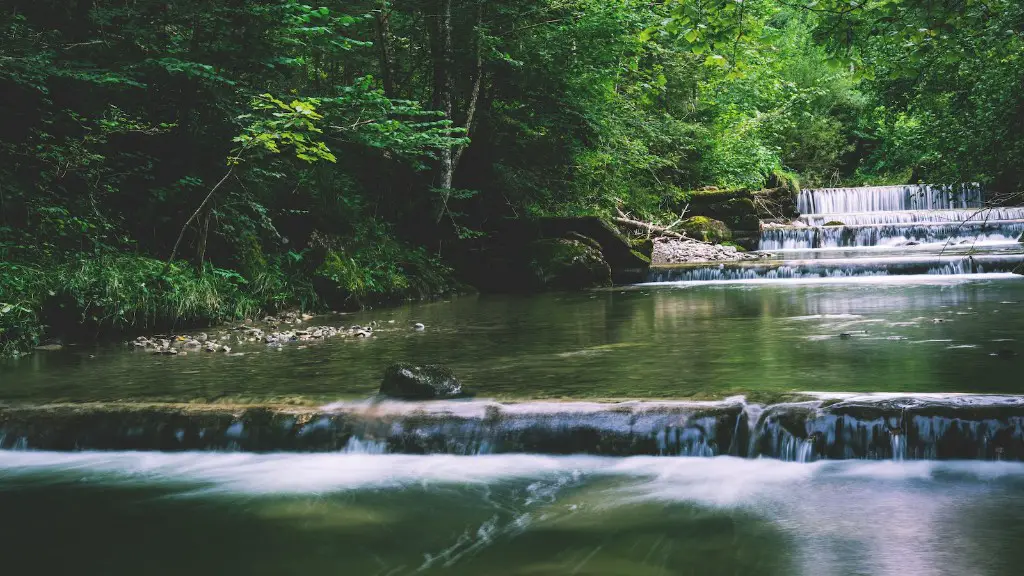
(168, 163)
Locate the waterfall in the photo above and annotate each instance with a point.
(916, 217)
(910, 427)
(889, 198)
(891, 235)
(894, 216)
(839, 268)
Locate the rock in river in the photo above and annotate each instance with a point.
(420, 382)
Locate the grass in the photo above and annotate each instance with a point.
(82, 295)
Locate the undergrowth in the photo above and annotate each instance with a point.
(85, 295)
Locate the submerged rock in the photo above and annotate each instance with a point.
(412, 382)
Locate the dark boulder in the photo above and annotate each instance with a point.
(564, 264)
(412, 382)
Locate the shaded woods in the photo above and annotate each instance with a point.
(166, 162)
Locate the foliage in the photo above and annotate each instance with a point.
(410, 135)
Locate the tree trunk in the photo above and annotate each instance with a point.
(387, 71)
(181, 234)
(445, 86)
(474, 95)
(204, 231)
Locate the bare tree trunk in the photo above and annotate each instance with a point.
(387, 71)
(204, 231)
(474, 95)
(181, 235)
(443, 88)
(446, 85)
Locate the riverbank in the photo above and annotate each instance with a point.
(112, 296)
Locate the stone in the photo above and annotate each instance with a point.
(562, 264)
(411, 382)
(706, 229)
(50, 347)
(670, 251)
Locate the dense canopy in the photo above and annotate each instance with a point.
(172, 161)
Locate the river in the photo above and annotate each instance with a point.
(852, 405)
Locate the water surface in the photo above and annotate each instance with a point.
(699, 340)
(129, 513)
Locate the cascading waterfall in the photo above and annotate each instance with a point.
(877, 231)
(839, 268)
(981, 215)
(889, 198)
(933, 427)
(894, 216)
(890, 235)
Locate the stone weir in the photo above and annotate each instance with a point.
(813, 428)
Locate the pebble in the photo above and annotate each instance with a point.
(669, 251)
(248, 333)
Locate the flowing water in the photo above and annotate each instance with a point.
(129, 513)
(666, 428)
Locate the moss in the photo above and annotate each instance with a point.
(718, 194)
(707, 229)
(565, 264)
(834, 223)
(784, 179)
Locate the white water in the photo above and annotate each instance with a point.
(837, 518)
(724, 480)
(915, 216)
(877, 231)
(992, 233)
(888, 198)
(895, 216)
(919, 265)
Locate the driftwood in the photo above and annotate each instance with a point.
(648, 227)
(655, 229)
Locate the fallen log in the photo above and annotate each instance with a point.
(650, 228)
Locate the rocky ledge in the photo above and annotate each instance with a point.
(669, 251)
(825, 427)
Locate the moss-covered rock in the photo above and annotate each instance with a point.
(410, 382)
(707, 229)
(568, 264)
(834, 223)
(776, 203)
(733, 207)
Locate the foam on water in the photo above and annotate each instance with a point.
(915, 216)
(721, 480)
(918, 236)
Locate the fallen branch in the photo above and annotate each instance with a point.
(647, 226)
(664, 231)
(181, 235)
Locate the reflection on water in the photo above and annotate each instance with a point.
(127, 513)
(646, 342)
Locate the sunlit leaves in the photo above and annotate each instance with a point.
(275, 124)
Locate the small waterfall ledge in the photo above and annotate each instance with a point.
(876, 231)
(874, 427)
(889, 198)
